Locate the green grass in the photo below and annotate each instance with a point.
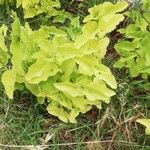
(18, 119)
(24, 122)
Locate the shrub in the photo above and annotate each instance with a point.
(65, 69)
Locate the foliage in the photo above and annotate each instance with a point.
(35, 7)
(67, 71)
(134, 48)
(3, 47)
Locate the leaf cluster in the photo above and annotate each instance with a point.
(58, 65)
(134, 47)
(35, 7)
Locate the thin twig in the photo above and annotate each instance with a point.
(74, 143)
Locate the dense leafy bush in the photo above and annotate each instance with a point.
(35, 7)
(134, 47)
(62, 67)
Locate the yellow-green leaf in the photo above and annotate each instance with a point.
(40, 71)
(146, 123)
(8, 80)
